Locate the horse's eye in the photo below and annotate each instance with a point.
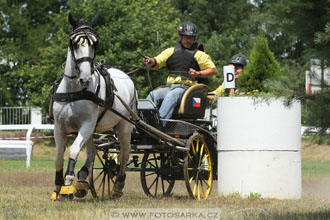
(75, 46)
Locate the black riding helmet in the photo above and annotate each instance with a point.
(238, 59)
(188, 28)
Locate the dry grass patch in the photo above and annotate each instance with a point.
(313, 151)
(25, 194)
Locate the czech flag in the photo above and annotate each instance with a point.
(197, 102)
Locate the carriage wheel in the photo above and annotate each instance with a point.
(197, 168)
(103, 173)
(156, 178)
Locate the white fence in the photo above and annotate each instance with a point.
(22, 144)
(20, 115)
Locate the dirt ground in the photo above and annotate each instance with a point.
(316, 188)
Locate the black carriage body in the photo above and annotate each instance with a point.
(163, 162)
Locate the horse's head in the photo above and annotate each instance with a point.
(83, 44)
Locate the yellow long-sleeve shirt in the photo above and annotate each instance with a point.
(220, 90)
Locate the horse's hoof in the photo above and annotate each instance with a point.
(81, 189)
(81, 193)
(64, 197)
(117, 195)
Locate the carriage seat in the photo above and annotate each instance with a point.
(193, 103)
(148, 112)
(192, 106)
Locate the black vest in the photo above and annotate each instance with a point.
(182, 59)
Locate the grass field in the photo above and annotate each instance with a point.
(25, 194)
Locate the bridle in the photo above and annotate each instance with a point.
(81, 36)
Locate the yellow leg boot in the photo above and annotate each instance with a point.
(67, 192)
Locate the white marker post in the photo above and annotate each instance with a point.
(229, 78)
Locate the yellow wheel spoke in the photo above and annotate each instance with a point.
(103, 186)
(194, 191)
(99, 187)
(204, 193)
(190, 158)
(113, 181)
(108, 185)
(206, 156)
(202, 148)
(193, 148)
(206, 183)
(198, 192)
(190, 179)
(156, 188)
(197, 144)
(98, 156)
(98, 176)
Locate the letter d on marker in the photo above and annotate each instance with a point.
(229, 77)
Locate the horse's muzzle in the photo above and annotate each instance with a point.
(84, 82)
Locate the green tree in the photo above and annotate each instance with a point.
(124, 27)
(322, 38)
(24, 26)
(318, 104)
(262, 65)
(291, 27)
(318, 113)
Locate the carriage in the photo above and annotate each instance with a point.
(91, 98)
(185, 149)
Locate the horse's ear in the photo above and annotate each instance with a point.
(94, 20)
(72, 21)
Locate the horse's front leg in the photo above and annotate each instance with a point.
(83, 135)
(124, 130)
(82, 185)
(60, 140)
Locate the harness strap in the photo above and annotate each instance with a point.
(84, 59)
(76, 96)
(70, 77)
(110, 86)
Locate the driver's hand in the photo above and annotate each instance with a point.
(149, 61)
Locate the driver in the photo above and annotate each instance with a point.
(187, 65)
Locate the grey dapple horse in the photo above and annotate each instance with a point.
(74, 114)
